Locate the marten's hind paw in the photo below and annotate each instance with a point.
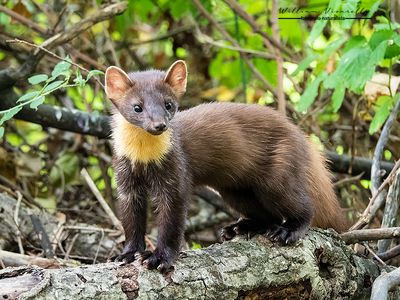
(284, 235)
(246, 227)
(126, 257)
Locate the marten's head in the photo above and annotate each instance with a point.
(148, 99)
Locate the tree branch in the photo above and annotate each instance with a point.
(8, 77)
(61, 118)
(355, 236)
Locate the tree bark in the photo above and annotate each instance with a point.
(319, 267)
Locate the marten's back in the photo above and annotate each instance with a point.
(231, 145)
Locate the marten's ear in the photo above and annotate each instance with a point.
(176, 77)
(117, 83)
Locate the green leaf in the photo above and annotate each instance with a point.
(268, 68)
(304, 64)
(321, 23)
(317, 30)
(68, 165)
(1, 132)
(35, 103)
(61, 67)
(78, 79)
(28, 96)
(392, 51)
(52, 86)
(355, 41)
(308, 97)
(381, 114)
(37, 78)
(374, 8)
(178, 8)
(338, 96)
(396, 39)
(93, 73)
(379, 36)
(378, 54)
(350, 6)
(356, 67)
(9, 114)
(332, 47)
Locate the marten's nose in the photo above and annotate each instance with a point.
(159, 126)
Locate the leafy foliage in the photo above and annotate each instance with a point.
(60, 77)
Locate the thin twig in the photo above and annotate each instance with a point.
(30, 201)
(99, 197)
(393, 252)
(90, 228)
(21, 19)
(371, 210)
(205, 39)
(16, 220)
(356, 236)
(98, 247)
(348, 180)
(278, 57)
(54, 55)
(249, 63)
(269, 42)
(374, 254)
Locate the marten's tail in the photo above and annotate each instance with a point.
(328, 213)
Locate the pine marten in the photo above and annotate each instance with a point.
(263, 166)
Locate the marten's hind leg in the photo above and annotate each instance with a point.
(293, 210)
(256, 219)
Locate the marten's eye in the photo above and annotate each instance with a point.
(137, 108)
(168, 105)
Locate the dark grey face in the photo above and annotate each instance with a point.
(150, 105)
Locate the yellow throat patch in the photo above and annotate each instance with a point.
(137, 144)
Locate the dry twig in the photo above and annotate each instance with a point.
(99, 197)
(356, 236)
(252, 67)
(278, 57)
(371, 210)
(54, 55)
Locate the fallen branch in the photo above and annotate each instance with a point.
(318, 267)
(389, 254)
(355, 236)
(384, 283)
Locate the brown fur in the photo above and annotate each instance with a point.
(263, 165)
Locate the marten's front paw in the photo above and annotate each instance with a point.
(284, 235)
(156, 260)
